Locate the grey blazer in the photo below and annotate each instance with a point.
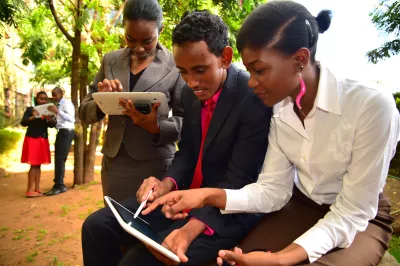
(162, 76)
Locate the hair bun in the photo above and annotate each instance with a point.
(324, 20)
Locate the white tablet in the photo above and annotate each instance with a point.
(139, 228)
(42, 109)
(108, 102)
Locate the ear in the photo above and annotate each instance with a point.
(302, 57)
(226, 57)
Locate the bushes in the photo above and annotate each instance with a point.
(10, 146)
(394, 249)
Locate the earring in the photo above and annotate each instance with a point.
(302, 89)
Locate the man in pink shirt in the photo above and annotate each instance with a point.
(223, 143)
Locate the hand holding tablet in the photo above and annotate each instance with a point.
(110, 102)
(43, 109)
(139, 228)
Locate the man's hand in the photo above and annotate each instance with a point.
(109, 86)
(148, 122)
(48, 118)
(256, 258)
(179, 240)
(53, 108)
(159, 188)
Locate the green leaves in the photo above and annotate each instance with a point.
(386, 17)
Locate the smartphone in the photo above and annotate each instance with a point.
(144, 108)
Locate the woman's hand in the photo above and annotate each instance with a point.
(148, 122)
(256, 258)
(177, 201)
(109, 86)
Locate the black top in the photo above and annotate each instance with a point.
(38, 127)
(133, 79)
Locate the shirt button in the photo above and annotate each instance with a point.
(123, 122)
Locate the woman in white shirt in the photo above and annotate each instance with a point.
(330, 145)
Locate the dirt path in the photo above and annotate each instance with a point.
(46, 230)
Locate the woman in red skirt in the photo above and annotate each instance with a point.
(36, 148)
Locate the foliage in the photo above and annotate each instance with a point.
(10, 11)
(10, 146)
(233, 12)
(386, 17)
(394, 248)
(5, 121)
(45, 46)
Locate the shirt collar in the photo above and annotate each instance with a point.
(62, 100)
(214, 98)
(327, 97)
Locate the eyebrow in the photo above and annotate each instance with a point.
(198, 66)
(130, 37)
(253, 62)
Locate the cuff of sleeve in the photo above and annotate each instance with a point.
(209, 231)
(316, 243)
(236, 201)
(173, 180)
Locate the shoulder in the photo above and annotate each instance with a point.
(113, 56)
(363, 95)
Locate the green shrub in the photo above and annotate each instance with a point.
(8, 139)
(10, 146)
(394, 248)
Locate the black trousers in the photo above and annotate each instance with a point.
(63, 144)
(102, 238)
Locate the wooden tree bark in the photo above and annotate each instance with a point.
(76, 53)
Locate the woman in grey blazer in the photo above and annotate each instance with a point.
(137, 145)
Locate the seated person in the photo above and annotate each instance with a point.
(328, 156)
(224, 140)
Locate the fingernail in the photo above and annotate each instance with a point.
(168, 215)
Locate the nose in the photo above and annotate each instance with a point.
(139, 48)
(253, 83)
(192, 82)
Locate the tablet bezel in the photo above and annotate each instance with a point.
(137, 233)
(43, 109)
(108, 102)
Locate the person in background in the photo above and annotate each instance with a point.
(65, 113)
(36, 148)
(330, 145)
(137, 145)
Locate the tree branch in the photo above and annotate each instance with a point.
(117, 15)
(58, 22)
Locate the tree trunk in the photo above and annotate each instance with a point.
(83, 77)
(90, 157)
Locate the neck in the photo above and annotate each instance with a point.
(223, 78)
(310, 76)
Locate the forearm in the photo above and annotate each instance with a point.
(215, 197)
(292, 255)
(194, 228)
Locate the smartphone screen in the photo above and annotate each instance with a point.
(139, 224)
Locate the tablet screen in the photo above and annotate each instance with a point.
(138, 223)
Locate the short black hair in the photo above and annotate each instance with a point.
(149, 10)
(38, 94)
(199, 26)
(58, 90)
(285, 26)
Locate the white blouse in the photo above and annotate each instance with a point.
(341, 157)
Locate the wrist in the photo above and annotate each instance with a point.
(194, 228)
(169, 185)
(215, 197)
(155, 129)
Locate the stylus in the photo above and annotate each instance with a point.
(142, 206)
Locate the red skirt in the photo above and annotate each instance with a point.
(36, 151)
